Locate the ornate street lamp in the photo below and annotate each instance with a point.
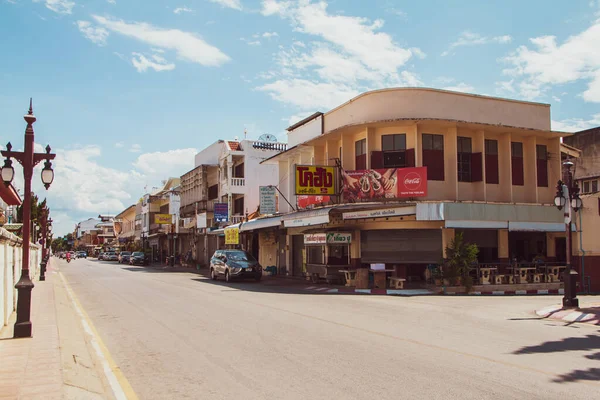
(28, 159)
(567, 196)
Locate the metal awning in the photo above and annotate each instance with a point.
(307, 217)
(220, 231)
(261, 223)
(538, 227)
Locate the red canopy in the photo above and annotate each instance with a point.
(10, 195)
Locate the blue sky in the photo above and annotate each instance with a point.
(127, 91)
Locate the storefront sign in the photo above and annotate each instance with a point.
(163, 219)
(381, 213)
(315, 180)
(339, 238)
(201, 221)
(174, 203)
(315, 238)
(384, 183)
(306, 221)
(306, 201)
(221, 212)
(268, 200)
(328, 238)
(232, 236)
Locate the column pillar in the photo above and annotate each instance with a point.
(447, 237)
(503, 247)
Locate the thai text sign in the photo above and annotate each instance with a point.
(304, 201)
(315, 238)
(380, 213)
(268, 200)
(163, 219)
(315, 180)
(221, 212)
(388, 183)
(232, 236)
(328, 238)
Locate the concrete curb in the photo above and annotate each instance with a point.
(512, 292)
(556, 312)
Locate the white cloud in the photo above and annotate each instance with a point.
(346, 55)
(135, 148)
(547, 63)
(269, 35)
(468, 38)
(557, 99)
(59, 6)
(188, 46)
(235, 4)
(461, 87)
(505, 86)
(298, 117)
(165, 164)
(180, 10)
(111, 1)
(576, 124)
(119, 145)
(254, 43)
(96, 34)
(156, 62)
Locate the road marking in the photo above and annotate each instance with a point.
(117, 381)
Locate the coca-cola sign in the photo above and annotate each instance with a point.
(373, 184)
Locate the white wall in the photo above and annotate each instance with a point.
(10, 271)
(257, 174)
(308, 131)
(210, 155)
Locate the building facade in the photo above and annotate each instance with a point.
(392, 175)
(124, 228)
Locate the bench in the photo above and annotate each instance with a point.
(397, 283)
(536, 278)
(499, 279)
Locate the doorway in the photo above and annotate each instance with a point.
(560, 248)
(297, 259)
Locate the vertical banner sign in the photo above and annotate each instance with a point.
(221, 212)
(268, 200)
(232, 236)
(315, 180)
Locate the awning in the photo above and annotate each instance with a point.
(220, 231)
(477, 224)
(261, 223)
(307, 218)
(127, 235)
(10, 195)
(538, 227)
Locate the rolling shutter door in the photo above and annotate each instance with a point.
(416, 246)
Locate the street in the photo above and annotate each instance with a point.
(179, 335)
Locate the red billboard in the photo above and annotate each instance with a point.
(307, 201)
(388, 183)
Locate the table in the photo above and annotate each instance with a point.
(350, 275)
(522, 273)
(379, 279)
(485, 274)
(554, 275)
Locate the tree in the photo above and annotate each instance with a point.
(459, 258)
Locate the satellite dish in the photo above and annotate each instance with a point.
(267, 137)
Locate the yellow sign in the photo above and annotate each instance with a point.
(232, 236)
(315, 180)
(163, 219)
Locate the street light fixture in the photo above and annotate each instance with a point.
(567, 195)
(28, 159)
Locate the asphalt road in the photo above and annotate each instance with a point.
(180, 336)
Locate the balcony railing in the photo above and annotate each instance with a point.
(236, 219)
(270, 146)
(238, 181)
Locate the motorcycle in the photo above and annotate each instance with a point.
(69, 260)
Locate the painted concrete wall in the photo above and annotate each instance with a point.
(409, 103)
(210, 155)
(305, 132)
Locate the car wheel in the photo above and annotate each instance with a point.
(227, 277)
(213, 274)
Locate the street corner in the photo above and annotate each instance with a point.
(588, 314)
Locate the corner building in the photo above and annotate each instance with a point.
(491, 169)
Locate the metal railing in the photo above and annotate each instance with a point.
(269, 146)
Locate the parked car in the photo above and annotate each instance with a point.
(124, 257)
(137, 258)
(234, 264)
(100, 256)
(111, 256)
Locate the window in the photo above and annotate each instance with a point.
(492, 175)
(464, 159)
(394, 150)
(315, 255)
(586, 186)
(360, 154)
(594, 186)
(238, 206)
(518, 175)
(433, 156)
(238, 171)
(213, 192)
(541, 155)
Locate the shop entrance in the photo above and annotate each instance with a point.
(297, 259)
(560, 247)
(525, 246)
(487, 242)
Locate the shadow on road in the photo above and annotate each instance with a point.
(589, 342)
(590, 374)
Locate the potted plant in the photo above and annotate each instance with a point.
(460, 255)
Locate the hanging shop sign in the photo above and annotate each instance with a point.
(163, 219)
(221, 212)
(304, 201)
(381, 213)
(201, 221)
(232, 236)
(328, 238)
(315, 180)
(388, 183)
(268, 200)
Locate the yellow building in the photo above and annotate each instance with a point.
(411, 168)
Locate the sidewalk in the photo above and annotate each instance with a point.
(59, 361)
(589, 312)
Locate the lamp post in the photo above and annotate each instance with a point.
(44, 233)
(28, 159)
(567, 197)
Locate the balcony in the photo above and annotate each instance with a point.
(269, 146)
(238, 182)
(202, 205)
(236, 219)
